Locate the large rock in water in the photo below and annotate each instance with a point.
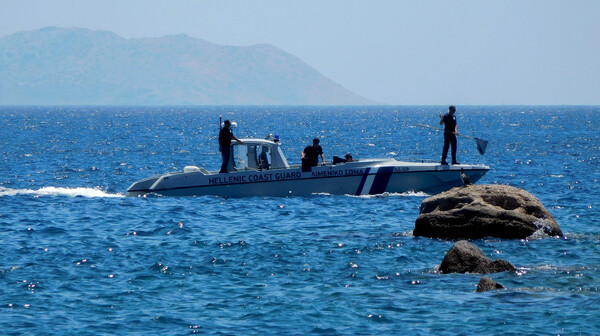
(487, 210)
(465, 257)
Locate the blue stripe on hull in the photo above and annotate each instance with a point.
(362, 181)
(381, 180)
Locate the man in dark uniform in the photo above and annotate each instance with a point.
(263, 158)
(450, 132)
(225, 136)
(312, 153)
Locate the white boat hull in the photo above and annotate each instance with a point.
(369, 177)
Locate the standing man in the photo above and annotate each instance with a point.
(450, 133)
(263, 158)
(225, 136)
(312, 153)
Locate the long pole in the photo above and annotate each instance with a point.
(481, 144)
(443, 130)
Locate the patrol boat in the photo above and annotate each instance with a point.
(249, 176)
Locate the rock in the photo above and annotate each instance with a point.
(465, 257)
(498, 265)
(486, 284)
(488, 210)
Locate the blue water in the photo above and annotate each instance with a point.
(77, 257)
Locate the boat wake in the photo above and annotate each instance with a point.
(58, 191)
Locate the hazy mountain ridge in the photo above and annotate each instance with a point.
(57, 66)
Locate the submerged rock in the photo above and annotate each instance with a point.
(465, 257)
(486, 284)
(489, 210)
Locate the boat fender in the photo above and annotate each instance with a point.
(190, 169)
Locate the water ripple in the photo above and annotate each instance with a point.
(80, 258)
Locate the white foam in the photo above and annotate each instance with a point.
(542, 227)
(58, 191)
(411, 193)
(322, 194)
(387, 194)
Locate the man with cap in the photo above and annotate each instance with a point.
(225, 136)
(450, 133)
(347, 158)
(312, 153)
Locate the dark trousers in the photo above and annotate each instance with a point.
(449, 140)
(225, 155)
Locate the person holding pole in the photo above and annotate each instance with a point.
(450, 133)
(225, 137)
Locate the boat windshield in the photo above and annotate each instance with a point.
(251, 155)
(241, 157)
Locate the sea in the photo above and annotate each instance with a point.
(78, 257)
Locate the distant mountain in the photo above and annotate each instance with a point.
(56, 66)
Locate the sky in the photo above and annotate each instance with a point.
(426, 52)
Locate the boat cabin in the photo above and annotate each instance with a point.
(257, 154)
